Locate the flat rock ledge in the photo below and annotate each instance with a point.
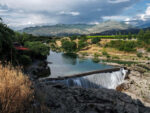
(61, 99)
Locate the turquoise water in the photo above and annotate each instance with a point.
(69, 64)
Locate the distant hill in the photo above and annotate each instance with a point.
(144, 25)
(76, 29)
(126, 31)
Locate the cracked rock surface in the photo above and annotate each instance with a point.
(61, 99)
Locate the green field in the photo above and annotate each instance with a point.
(109, 36)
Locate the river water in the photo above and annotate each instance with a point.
(69, 64)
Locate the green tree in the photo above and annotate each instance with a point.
(7, 52)
(69, 46)
(146, 38)
(140, 35)
(120, 35)
(37, 49)
(129, 35)
(96, 40)
(73, 38)
(82, 44)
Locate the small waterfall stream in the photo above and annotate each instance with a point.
(105, 80)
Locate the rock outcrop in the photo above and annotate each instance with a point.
(61, 99)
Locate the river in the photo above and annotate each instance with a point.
(69, 64)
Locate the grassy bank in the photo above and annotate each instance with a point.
(113, 50)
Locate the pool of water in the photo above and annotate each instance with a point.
(69, 64)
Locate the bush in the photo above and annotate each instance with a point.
(84, 54)
(139, 54)
(15, 90)
(73, 37)
(69, 46)
(115, 57)
(25, 60)
(148, 50)
(95, 40)
(108, 56)
(105, 53)
(96, 54)
(82, 44)
(127, 46)
(96, 59)
(37, 49)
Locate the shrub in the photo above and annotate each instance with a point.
(25, 60)
(84, 54)
(37, 49)
(69, 46)
(96, 59)
(115, 57)
(104, 53)
(108, 56)
(96, 54)
(95, 40)
(128, 46)
(82, 44)
(15, 91)
(73, 37)
(148, 50)
(139, 54)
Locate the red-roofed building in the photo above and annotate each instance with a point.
(19, 47)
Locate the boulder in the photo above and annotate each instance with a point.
(42, 70)
(61, 99)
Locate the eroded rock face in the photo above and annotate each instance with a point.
(61, 99)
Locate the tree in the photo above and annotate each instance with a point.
(37, 49)
(83, 38)
(82, 44)
(73, 38)
(120, 35)
(146, 38)
(140, 34)
(96, 40)
(129, 35)
(69, 46)
(6, 47)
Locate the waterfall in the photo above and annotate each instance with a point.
(105, 80)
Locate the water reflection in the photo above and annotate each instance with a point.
(68, 64)
(70, 58)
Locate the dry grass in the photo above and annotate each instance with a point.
(15, 90)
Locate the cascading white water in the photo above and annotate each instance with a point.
(106, 80)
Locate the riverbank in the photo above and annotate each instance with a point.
(38, 69)
(140, 55)
(137, 83)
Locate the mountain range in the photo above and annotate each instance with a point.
(107, 27)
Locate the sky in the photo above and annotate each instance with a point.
(24, 13)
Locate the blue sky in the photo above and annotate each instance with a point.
(24, 13)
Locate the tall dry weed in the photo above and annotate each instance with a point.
(15, 90)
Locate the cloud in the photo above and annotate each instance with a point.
(117, 1)
(140, 19)
(69, 13)
(22, 13)
(119, 18)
